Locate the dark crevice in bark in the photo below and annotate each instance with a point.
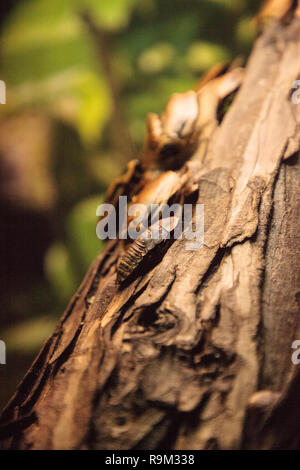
(211, 270)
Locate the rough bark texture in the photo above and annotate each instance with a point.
(194, 351)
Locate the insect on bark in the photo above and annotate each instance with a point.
(149, 239)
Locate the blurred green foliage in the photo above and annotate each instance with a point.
(66, 262)
(51, 64)
(160, 47)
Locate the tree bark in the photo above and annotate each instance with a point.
(194, 351)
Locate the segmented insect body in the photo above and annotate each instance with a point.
(135, 253)
(172, 139)
(131, 258)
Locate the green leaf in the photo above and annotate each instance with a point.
(81, 230)
(28, 336)
(59, 271)
(49, 61)
(110, 14)
(202, 55)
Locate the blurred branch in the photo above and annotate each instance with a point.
(119, 135)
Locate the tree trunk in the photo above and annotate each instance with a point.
(194, 351)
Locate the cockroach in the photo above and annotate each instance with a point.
(137, 250)
(172, 139)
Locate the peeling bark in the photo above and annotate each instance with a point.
(194, 351)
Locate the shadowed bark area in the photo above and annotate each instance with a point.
(193, 351)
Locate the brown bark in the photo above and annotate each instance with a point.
(194, 351)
